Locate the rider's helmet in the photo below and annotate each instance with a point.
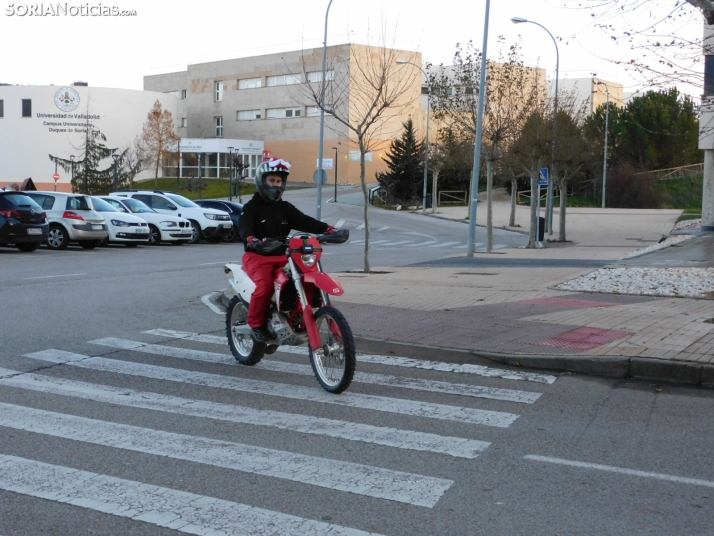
(274, 166)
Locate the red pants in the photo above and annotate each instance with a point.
(260, 269)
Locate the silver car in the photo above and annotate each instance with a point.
(72, 218)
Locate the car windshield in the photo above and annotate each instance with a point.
(21, 200)
(181, 201)
(136, 206)
(102, 206)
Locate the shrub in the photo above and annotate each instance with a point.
(627, 189)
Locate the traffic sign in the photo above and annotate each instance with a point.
(326, 163)
(316, 177)
(56, 177)
(543, 180)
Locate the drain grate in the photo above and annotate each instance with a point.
(566, 302)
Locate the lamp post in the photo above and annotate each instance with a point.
(549, 205)
(426, 141)
(199, 175)
(335, 200)
(116, 162)
(322, 118)
(230, 174)
(604, 153)
(71, 158)
(471, 245)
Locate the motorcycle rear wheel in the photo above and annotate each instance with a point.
(244, 348)
(334, 362)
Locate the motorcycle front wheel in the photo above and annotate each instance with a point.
(334, 361)
(244, 348)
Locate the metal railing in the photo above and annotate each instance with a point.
(453, 196)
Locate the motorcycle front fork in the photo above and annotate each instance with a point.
(310, 325)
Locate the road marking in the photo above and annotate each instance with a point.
(375, 242)
(478, 370)
(164, 507)
(51, 276)
(356, 241)
(213, 307)
(464, 246)
(340, 223)
(398, 243)
(444, 244)
(622, 470)
(422, 244)
(312, 470)
(359, 227)
(357, 400)
(212, 263)
(306, 424)
(382, 229)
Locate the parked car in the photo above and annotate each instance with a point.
(162, 228)
(123, 228)
(72, 218)
(233, 209)
(206, 223)
(23, 223)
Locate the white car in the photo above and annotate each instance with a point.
(123, 228)
(162, 228)
(207, 223)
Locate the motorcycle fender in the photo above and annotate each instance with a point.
(239, 281)
(324, 282)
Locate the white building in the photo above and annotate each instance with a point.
(36, 121)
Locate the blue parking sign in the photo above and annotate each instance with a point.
(543, 180)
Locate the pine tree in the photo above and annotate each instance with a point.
(405, 161)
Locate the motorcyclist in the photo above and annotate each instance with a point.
(266, 215)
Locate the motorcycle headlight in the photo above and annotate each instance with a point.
(309, 260)
(119, 223)
(168, 224)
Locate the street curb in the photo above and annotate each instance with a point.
(637, 368)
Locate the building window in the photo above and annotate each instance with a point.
(250, 83)
(281, 113)
(183, 122)
(2, 108)
(219, 127)
(283, 80)
(26, 107)
(316, 76)
(314, 111)
(184, 93)
(248, 115)
(219, 91)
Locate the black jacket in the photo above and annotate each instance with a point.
(274, 219)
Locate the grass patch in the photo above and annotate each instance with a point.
(577, 201)
(682, 193)
(215, 188)
(689, 216)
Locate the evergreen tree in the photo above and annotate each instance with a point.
(405, 161)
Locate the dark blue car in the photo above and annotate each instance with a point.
(23, 223)
(232, 208)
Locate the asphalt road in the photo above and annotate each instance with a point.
(166, 433)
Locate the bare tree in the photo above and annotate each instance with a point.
(514, 92)
(157, 138)
(365, 94)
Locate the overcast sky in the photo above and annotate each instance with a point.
(166, 36)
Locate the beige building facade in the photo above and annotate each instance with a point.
(267, 99)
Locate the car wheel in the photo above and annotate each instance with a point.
(154, 235)
(57, 237)
(28, 247)
(232, 235)
(131, 244)
(90, 244)
(197, 235)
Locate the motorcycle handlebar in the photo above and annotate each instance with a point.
(271, 246)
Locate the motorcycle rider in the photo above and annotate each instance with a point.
(266, 215)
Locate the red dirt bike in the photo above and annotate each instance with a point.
(300, 311)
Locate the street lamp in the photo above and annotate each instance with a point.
(320, 171)
(71, 158)
(604, 154)
(230, 174)
(426, 141)
(199, 175)
(471, 244)
(335, 200)
(549, 205)
(116, 162)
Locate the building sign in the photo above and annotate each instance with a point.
(220, 145)
(67, 99)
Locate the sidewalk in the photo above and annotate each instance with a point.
(514, 315)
